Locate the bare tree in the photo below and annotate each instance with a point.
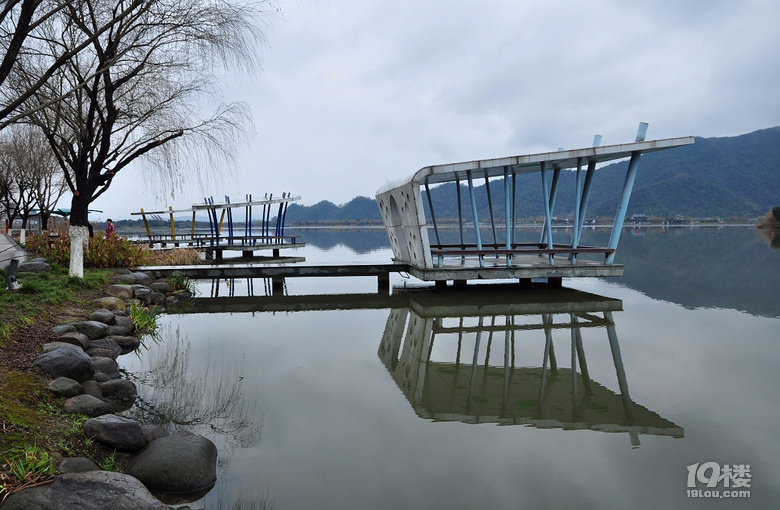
(17, 196)
(36, 162)
(137, 92)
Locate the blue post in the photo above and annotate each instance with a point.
(278, 230)
(433, 215)
(508, 217)
(620, 215)
(490, 207)
(547, 214)
(284, 213)
(460, 209)
(553, 196)
(514, 206)
(246, 221)
(476, 217)
(577, 201)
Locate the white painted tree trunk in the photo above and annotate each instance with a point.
(79, 239)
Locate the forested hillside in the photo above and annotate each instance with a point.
(730, 178)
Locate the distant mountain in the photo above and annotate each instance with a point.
(359, 209)
(735, 177)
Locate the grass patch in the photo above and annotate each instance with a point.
(42, 291)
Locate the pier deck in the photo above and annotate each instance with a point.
(523, 269)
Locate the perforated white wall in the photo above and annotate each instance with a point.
(404, 219)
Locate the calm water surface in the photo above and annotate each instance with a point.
(421, 401)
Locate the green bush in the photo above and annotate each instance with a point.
(115, 251)
(776, 212)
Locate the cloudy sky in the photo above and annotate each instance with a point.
(358, 92)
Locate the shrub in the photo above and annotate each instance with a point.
(115, 251)
(776, 212)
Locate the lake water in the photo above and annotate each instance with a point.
(469, 400)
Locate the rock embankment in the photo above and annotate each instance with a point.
(81, 360)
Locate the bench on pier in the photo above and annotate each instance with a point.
(459, 250)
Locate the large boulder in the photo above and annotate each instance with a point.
(65, 387)
(92, 388)
(180, 463)
(144, 295)
(87, 404)
(110, 303)
(116, 431)
(103, 315)
(75, 338)
(76, 465)
(162, 287)
(33, 267)
(93, 490)
(106, 343)
(124, 292)
(53, 346)
(62, 328)
(106, 366)
(118, 388)
(67, 361)
(93, 329)
(126, 343)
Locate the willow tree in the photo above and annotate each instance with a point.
(137, 92)
(20, 24)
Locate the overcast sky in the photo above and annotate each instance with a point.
(358, 92)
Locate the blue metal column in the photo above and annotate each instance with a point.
(460, 209)
(547, 214)
(586, 192)
(514, 207)
(577, 201)
(284, 215)
(620, 215)
(433, 215)
(553, 196)
(508, 219)
(490, 207)
(628, 185)
(476, 217)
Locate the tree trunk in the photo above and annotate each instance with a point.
(45, 221)
(79, 235)
(79, 239)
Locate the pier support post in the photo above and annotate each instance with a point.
(277, 285)
(441, 284)
(555, 282)
(383, 283)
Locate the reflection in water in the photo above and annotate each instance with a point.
(476, 328)
(206, 399)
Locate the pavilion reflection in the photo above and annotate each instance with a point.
(454, 355)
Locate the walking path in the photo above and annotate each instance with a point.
(9, 250)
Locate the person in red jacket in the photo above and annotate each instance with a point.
(110, 228)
